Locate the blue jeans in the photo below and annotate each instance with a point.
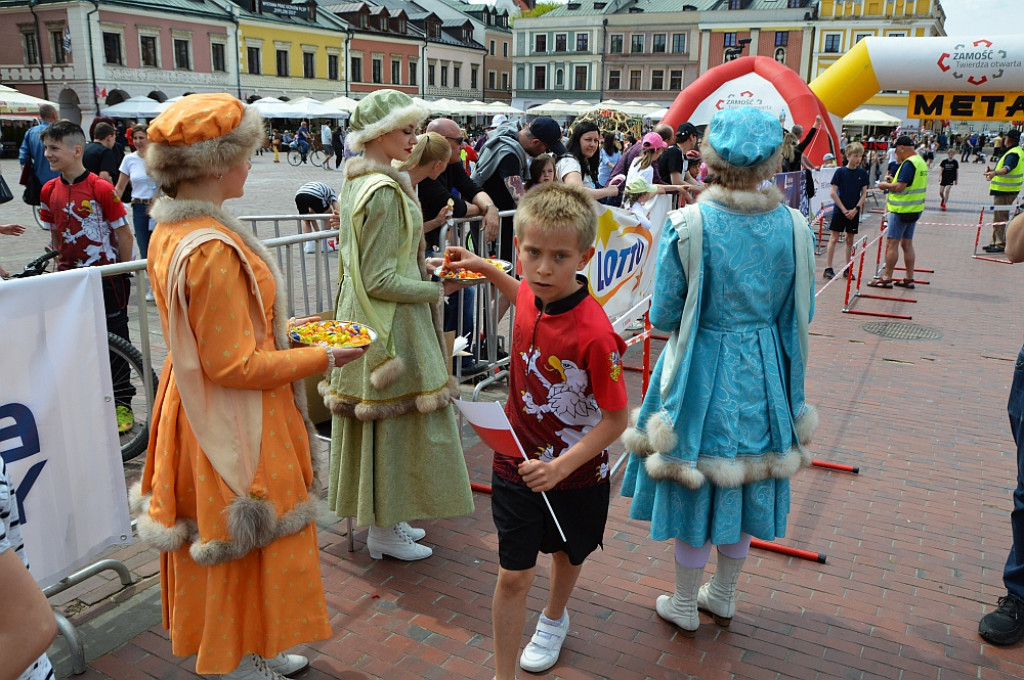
(141, 222)
(303, 148)
(1013, 574)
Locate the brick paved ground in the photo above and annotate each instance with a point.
(915, 542)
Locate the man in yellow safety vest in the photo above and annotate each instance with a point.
(1006, 181)
(904, 206)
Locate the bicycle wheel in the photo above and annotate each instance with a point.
(38, 219)
(294, 157)
(316, 157)
(126, 368)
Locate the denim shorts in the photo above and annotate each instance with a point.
(899, 229)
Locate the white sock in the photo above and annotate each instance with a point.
(552, 622)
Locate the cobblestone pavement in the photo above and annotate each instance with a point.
(915, 543)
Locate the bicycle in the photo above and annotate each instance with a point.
(314, 156)
(130, 371)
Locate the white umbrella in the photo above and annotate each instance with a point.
(271, 107)
(656, 114)
(136, 107)
(13, 102)
(342, 103)
(501, 107)
(555, 107)
(871, 117)
(307, 107)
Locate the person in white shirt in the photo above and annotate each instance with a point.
(144, 189)
(326, 141)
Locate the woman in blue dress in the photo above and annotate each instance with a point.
(723, 426)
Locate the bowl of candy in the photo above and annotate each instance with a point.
(332, 333)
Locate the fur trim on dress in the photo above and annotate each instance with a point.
(357, 167)
(387, 373)
(396, 118)
(806, 424)
(751, 202)
(169, 166)
(634, 439)
(348, 407)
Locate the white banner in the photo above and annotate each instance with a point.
(821, 201)
(58, 432)
(621, 273)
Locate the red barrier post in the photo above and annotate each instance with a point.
(785, 550)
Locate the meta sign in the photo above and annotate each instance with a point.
(966, 105)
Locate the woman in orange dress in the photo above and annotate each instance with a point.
(229, 489)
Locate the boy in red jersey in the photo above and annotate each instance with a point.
(89, 226)
(567, 403)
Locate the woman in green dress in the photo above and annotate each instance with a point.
(395, 449)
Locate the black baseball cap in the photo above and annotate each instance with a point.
(904, 140)
(1013, 132)
(548, 131)
(687, 130)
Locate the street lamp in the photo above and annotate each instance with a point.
(734, 52)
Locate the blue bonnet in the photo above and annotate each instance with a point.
(744, 136)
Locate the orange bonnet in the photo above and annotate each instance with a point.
(197, 118)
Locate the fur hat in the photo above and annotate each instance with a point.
(199, 135)
(379, 113)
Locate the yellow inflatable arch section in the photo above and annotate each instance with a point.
(946, 64)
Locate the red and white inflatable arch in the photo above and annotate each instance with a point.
(761, 82)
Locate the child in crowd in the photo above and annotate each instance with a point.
(849, 190)
(637, 200)
(950, 170)
(562, 344)
(542, 170)
(315, 198)
(89, 227)
(642, 166)
(828, 161)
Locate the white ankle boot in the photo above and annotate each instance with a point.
(414, 533)
(680, 608)
(718, 596)
(393, 541)
(287, 664)
(253, 667)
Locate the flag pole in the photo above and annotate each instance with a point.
(543, 494)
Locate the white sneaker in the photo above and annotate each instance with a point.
(287, 664)
(542, 651)
(149, 295)
(253, 667)
(635, 325)
(309, 248)
(414, 533)
(394, 542)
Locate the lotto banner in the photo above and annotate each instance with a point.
(58, 432)
(621, 273)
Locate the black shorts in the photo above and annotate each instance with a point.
(308, 204)
(842, 223)
(525, 527)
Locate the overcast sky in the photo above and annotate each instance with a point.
(984, 17)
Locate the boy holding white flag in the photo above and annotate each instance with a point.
(567, 403)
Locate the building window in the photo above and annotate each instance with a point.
(396, 72)
(636, 44)
(492, 80)
(678, 43)
(60, 56)
(504, 80)
(560, 41)
(658, 43)
(332, 67)
(540, 43)
(309, 65)
(675, 80)
(492, 48)
(147, 46)
(559, 78)
(540, 77)
(735, 4)
(377, 70)
(413, 77)
(634, 80)
(431, 69)
(218, 58)
(111, 48)
(580, 78)
(31, 48)
(833, 42)
(793, 4)
(657, 79)
(781, 38)
(473, 77)
(181, 55)
(582, 42)
(355, 69)
(444, 76)
(504, 48)
(253, 57)
(616, 45)
(282, 63)
(730, 40)
(456, 76)
(615, 80)
(857, 37)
